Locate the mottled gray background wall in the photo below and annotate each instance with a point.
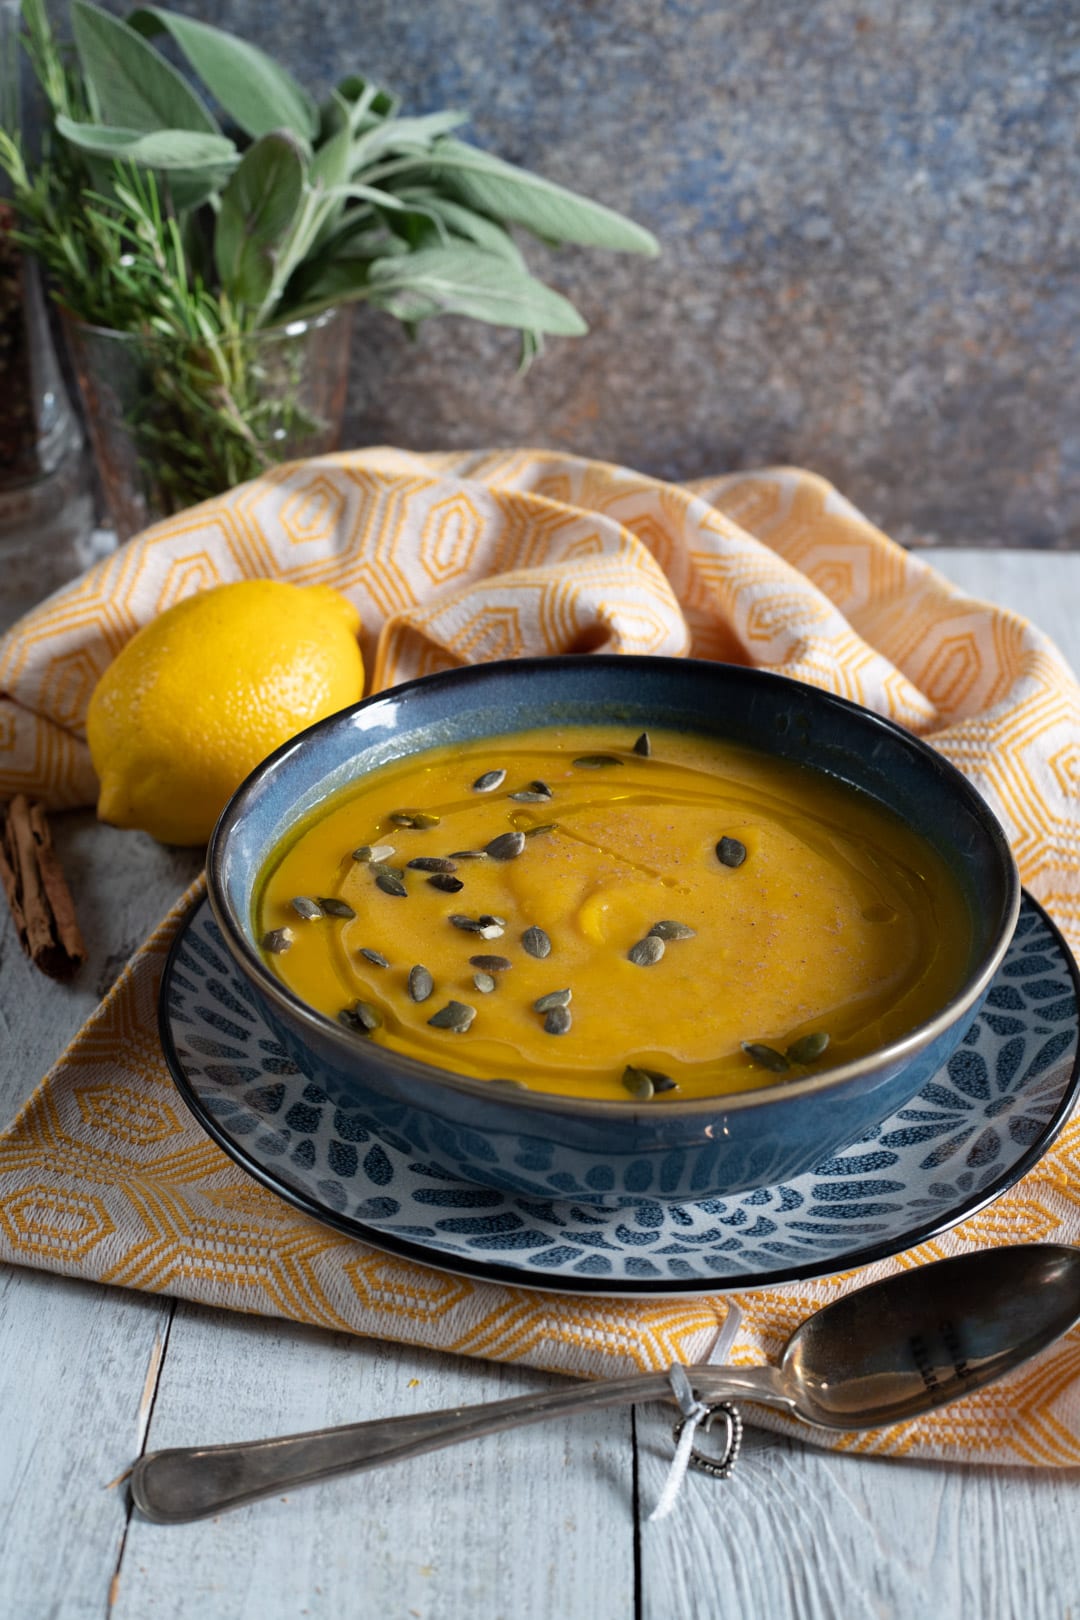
(869, 215)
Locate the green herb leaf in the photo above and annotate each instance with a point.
(258, 207)
(367, 100)
(415, 135)
(472, 227)
(460, 280)
(493, 187)
(252, 88)
(329, 174)
(133, 86)
(330, 165)
(153, 149)
(333, 281)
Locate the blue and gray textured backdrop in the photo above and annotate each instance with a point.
(870, 218)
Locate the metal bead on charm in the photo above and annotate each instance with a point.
(716, 1467)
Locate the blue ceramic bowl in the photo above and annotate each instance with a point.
(551, 1146)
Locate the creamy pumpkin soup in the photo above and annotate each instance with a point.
(579, 910)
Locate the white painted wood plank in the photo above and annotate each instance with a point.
(78, 1362)
(533, 1524)
(799, 1534)
(77, 1369)
(1043, 585)
(122, 884)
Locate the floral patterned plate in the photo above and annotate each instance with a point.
(974, 1130)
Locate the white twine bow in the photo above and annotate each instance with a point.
(693, 1411)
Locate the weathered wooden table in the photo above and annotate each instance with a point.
(546, 1522)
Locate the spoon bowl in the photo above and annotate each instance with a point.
(883, 1354)
(900, 1347)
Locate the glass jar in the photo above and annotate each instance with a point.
(46, 504)
(173, 422)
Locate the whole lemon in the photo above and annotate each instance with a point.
(206, 690)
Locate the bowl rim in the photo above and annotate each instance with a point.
(532, 1099)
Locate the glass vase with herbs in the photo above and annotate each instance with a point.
(46, 511)
(205, 226)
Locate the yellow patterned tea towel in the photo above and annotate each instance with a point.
(461, 557)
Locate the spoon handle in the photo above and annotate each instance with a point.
(190, 1482)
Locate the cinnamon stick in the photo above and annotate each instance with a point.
(37, 891)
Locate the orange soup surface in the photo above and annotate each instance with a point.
(667, 910)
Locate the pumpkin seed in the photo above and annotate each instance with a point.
(336, 908)
(487, 919)
(672, 930)
(528, 796)
(596, 762)
(308, 909)
(506, 847)
(554, 998)
(647, 951)
(491, 964)
(491, 930)
(767, 1056)
(808, 1048)
(643, 746)
(469, 855)
(376, 958)
(431, 863)
(558, 1021)
(456, 1015)
(545, 827)
(389, 884)
(541, 788)
(730, 852)
(445, 883)
(659, 1082)
(489, 781)
(536, 942)
(420, 819)
(638, 1082)
(374, 852)
(484, 983)
(421, 984)
(362, 1018)
(277, 940)
(468, 925)
(381, 869)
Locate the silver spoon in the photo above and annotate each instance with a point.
(880, 1355)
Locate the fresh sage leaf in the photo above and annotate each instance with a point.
(253, 89)
(414, 135)
(550, 211)
(367, 99)
(258, 207)
(318, 284)
(152, 149)
(330, 165)
(133, 85)
(464, 222)
(462, 280)
(328, 173)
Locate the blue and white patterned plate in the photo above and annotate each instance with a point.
(974, 1130)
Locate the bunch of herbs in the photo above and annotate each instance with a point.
(192, 210)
